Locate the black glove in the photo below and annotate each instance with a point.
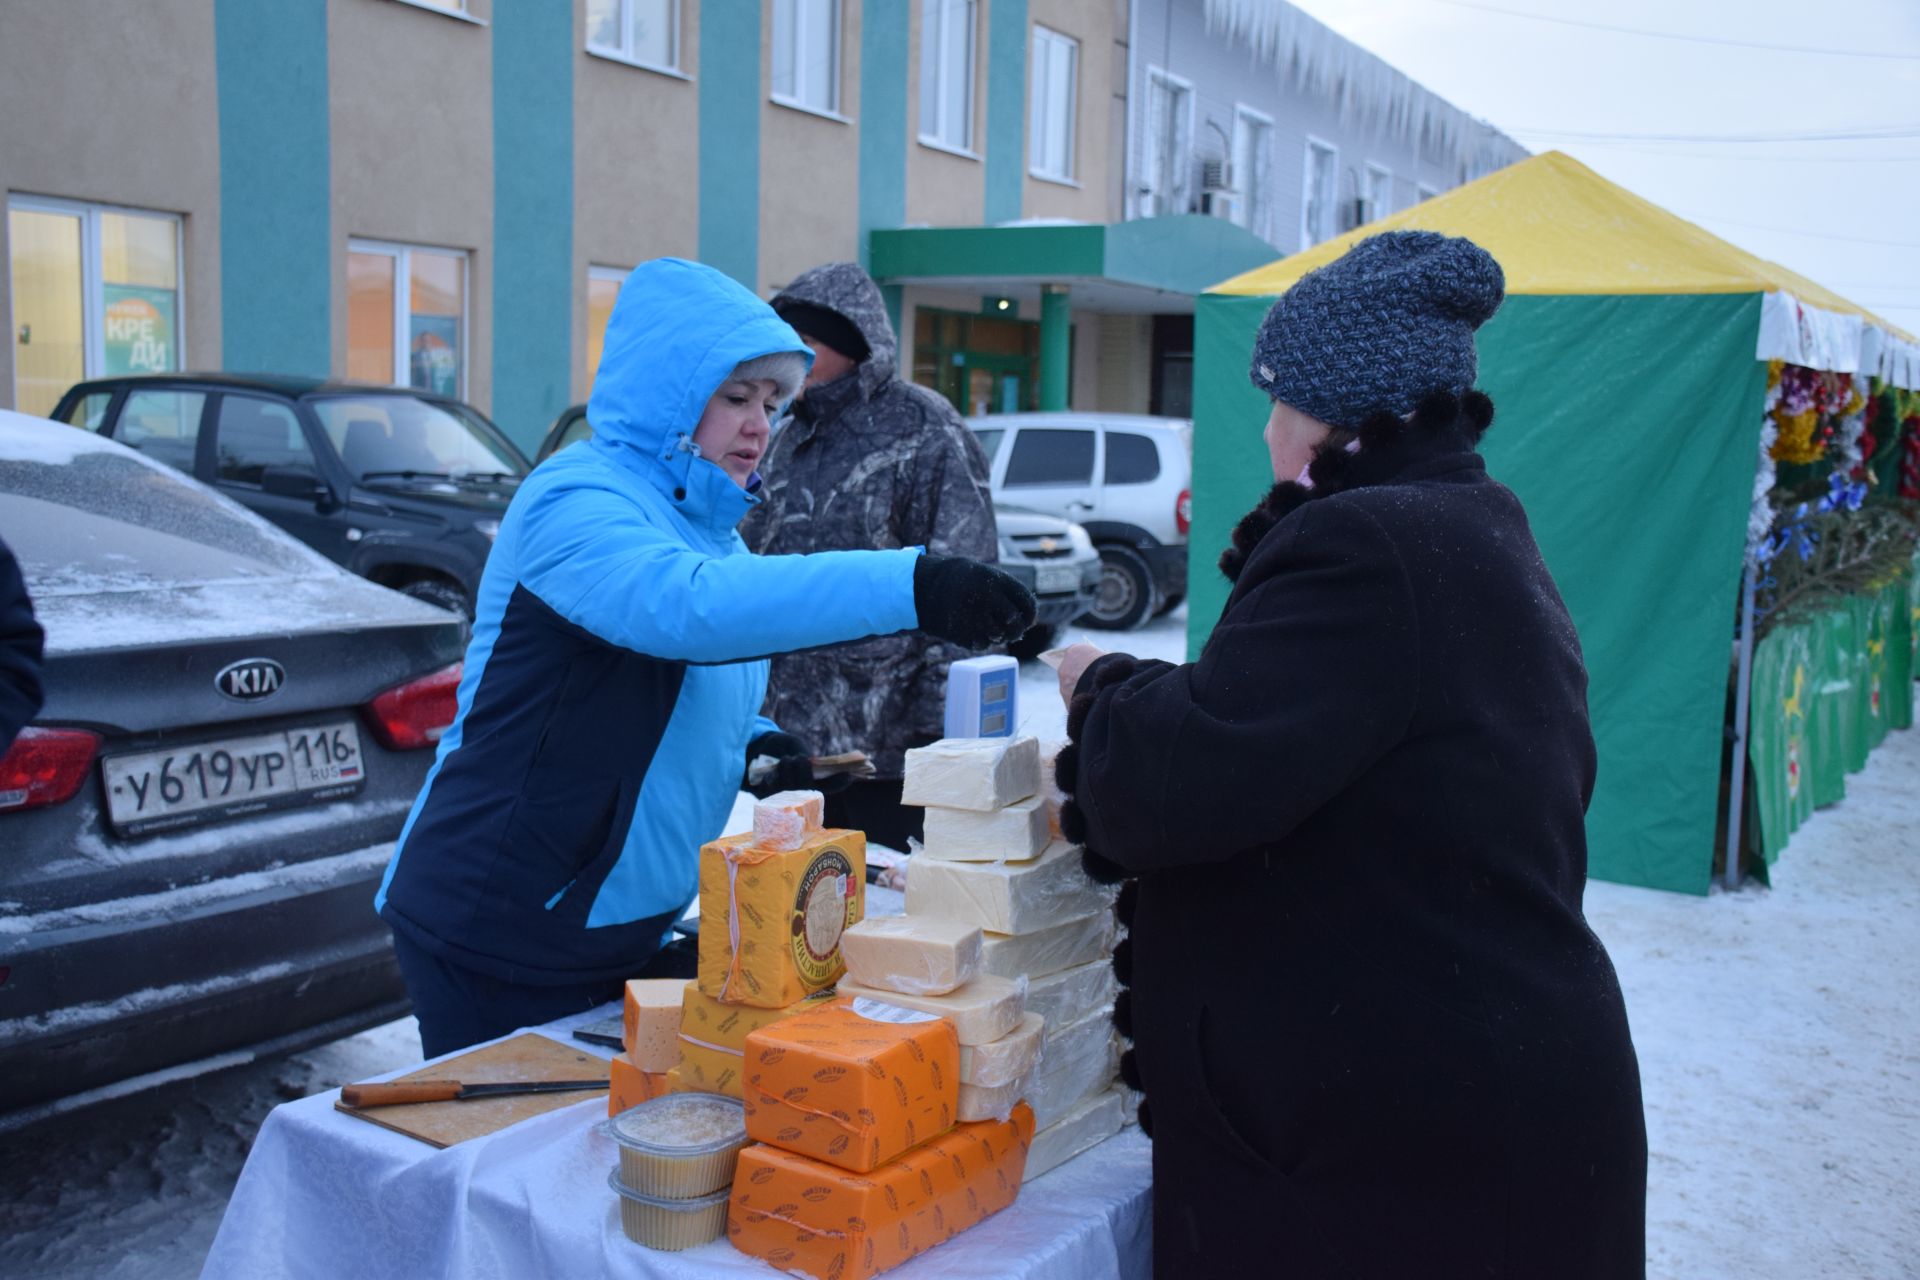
(968, 603)
(792, 770)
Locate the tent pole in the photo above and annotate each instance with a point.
(1738, 783)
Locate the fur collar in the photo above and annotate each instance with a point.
(1440, 424)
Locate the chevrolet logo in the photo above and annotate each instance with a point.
(1048, 546)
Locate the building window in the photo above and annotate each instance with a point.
(1379, 198)
(946, 73)
(1253, 171)
(806, 54)
(646, 32)
(1056, 67)
(603, 286)
(96, 291)
(1318, 192)
(1423, 193)
(407, 316)
(1166, 179)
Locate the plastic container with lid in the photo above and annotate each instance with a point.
(661, 1223)
(679, 1145)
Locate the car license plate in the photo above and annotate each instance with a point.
(154, 790)
(1056, 577)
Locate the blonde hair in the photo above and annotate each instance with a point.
(785, 369)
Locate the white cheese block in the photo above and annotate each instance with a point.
(1012, 834)
(991, 1102)
(1078, 941)
(1050, 792)
(1007, 897)
(1075, 1061)
(1007, 1059)
(1129, 1104)
(785, 819)
(981, 1012)
(972, 773)
(916, 955)
(1089, 1124)
(1072, 994)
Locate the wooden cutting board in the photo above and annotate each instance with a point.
(527, 1056)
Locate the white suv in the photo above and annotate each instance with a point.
(1124, 478)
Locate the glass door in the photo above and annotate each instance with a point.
(49, 324)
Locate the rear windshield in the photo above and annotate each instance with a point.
(397, 435)
(101, 521)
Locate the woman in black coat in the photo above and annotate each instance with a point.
(1376, 1035)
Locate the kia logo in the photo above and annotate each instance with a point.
(250, 679)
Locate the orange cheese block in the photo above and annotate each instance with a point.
(650, 1022)
(631, 1086)
(708, 1071)
(852, 1083)
(771, 919)
(808, 1217)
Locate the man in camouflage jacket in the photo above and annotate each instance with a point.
(868, 461)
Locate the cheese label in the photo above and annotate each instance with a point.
(823, 907)
(877, 1012)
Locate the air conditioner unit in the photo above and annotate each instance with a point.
(1216, 176)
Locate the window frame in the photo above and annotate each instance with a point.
(624, 53)
(1376, 210)
(402, 285)
(1252, 206)
(937, 139)
(1330, 199)
(835, 38)
(1068, 175)
(618, 277)
(93, 298)
(1150, 195)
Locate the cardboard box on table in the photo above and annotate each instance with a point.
(771, 919)
(809, 1217)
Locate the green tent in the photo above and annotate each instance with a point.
(1628, 369)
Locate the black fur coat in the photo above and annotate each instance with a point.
(1377, 1036)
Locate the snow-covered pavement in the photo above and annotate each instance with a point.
(1778, 1031)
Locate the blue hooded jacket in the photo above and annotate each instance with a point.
(617, 665)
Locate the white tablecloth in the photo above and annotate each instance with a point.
(327, 1195)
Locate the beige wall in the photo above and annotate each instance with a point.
(1084, 394)
(636, 166)
(1125, 379)
(121, 110)
(809, 168)
(411, 118)
(1091, 22)
(944, 189)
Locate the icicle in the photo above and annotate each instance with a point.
(1364, 91)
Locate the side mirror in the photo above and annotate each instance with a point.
(296, 482)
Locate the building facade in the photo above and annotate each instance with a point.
(447, 193)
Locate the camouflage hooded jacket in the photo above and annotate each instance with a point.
(868, 462)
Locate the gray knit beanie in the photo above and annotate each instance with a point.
(1386, 323)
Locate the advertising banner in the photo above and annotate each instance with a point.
(139, 329)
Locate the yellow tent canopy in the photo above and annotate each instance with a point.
(1558, 227)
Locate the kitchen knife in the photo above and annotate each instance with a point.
(399, 1091)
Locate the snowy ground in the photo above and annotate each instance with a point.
(1778, 1031)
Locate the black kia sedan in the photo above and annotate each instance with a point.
(400, 486)
(195, 824)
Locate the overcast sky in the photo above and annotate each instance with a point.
(1845, 212)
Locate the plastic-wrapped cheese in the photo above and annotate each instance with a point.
(915, 955)
(1089, 1124)
(1072, 994)
(1075, 1061)
(992, 1101)
(1006, 1060)
(1012, 834)
(972, 773)
(1050, 793)
(785, 819)
(1006, 897)
(981, 1012)
(1078, 941)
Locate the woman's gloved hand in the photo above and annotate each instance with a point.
(792, 767)
(968, 603)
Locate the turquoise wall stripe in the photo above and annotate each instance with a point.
(276, 265)
(730, 96)
(885, 44)
(1006, 150)
(533, 284)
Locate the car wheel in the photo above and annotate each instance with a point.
(1124, 599)
(438, 591)
(1171, 603)
(1037, 641)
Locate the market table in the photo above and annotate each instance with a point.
(327, 1195)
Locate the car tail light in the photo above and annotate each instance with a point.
(45, 766)
(1183, 511)
(415, 714)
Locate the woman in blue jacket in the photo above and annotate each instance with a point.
(612, 688)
